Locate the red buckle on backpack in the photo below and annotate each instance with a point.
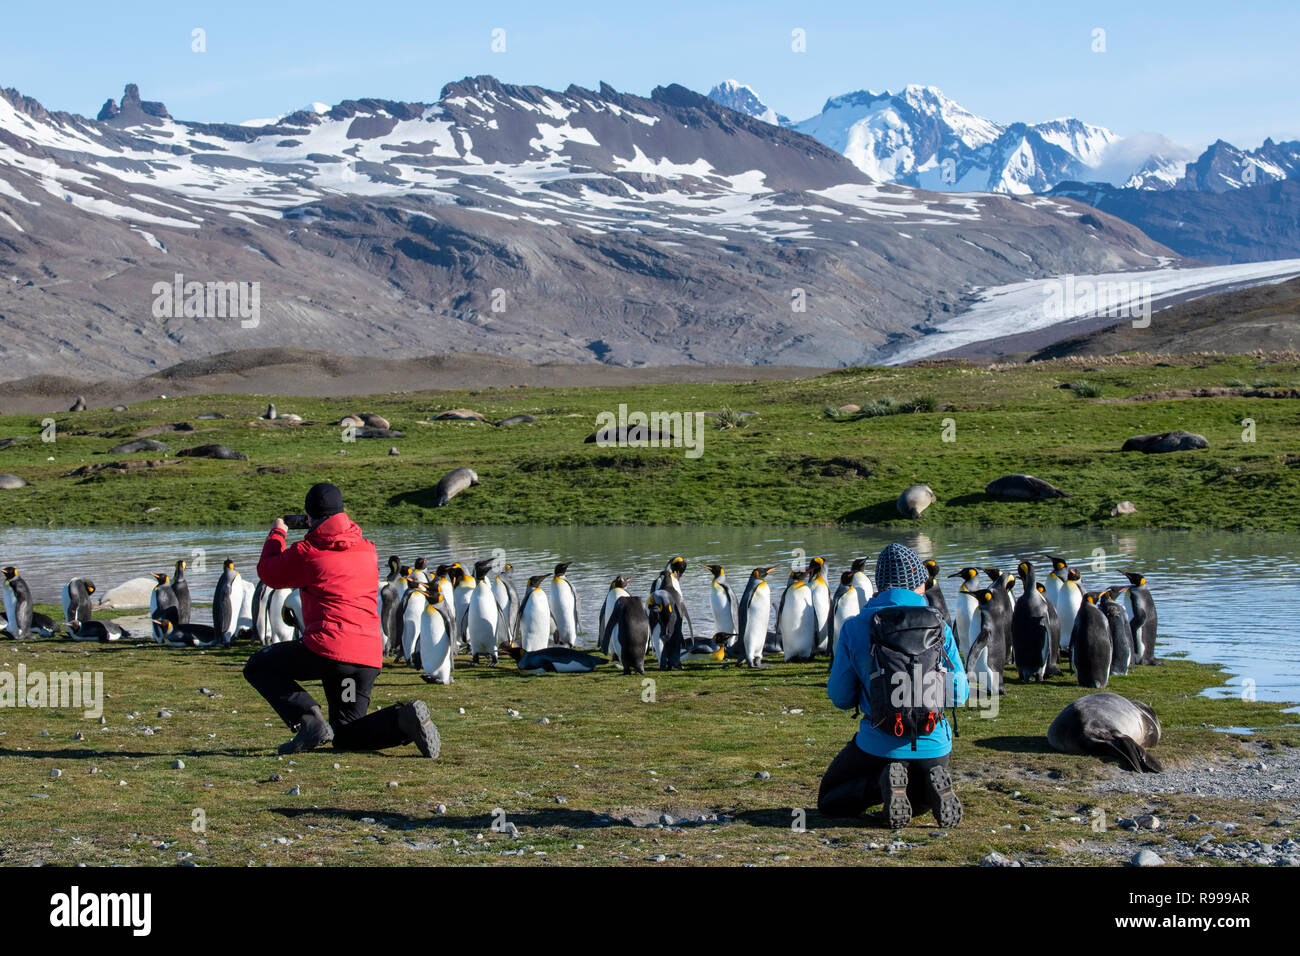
(898, 725)
(929, 722)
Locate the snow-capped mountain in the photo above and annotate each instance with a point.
(1223, 167)
(922, 138)
(583, 225)
(743, 99)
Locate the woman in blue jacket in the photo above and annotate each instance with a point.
(878, 767)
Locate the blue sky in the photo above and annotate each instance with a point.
(1194, 70)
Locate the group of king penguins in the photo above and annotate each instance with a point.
(427, 616)
(1100, 633)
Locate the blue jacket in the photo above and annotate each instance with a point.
(847, 685)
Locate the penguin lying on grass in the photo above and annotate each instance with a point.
(105, 632)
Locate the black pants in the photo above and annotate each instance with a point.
(852, 782)
(275, 671)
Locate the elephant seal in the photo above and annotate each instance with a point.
(915, 500)
(459, 415)
(1165, 442)
(1108, 725)
(516, 420)
(369, 432)
(10, 482)
(212, 451)
(1023, 488)
(452, 484)
(131, 447)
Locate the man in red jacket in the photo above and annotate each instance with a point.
(335, 571)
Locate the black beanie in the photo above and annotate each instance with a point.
(323, 500)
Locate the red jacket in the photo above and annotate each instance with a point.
(335, 569)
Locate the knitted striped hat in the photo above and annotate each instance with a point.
(900, 567)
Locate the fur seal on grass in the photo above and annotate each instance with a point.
(140, 444)
(452, 484)
(915, 500)
(1022, 488)
(1108, 725)
(212, 451)
(10, 482)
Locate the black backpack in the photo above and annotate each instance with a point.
(908, 684)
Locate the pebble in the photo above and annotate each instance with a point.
(1193, 818)
(997, 859)
(1148, 821)
(178, 764)
(659, 858)
(670, 789)
(1146, 858)
(762, 775)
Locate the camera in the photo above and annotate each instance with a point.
(296, 522)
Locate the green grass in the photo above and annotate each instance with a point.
(605, 751)
(1086, 389)
(790, 464)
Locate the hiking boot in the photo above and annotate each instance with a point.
(314, 731)
(415, 723)
(943, 800)
(893, 790)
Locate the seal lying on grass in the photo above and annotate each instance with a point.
(1108, 725)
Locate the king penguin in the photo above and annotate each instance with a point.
(162, 603)
(435, 650)
(617, 589)
(503, 585)
(1068, 602)
(483, 618)
(18, 605)
(667, 589)
(861, 581)
(723, 600)
(987, 658)
(843, 607)
(390, 596)
(755, 609)
(1090, 646)
(181, 591)
(1142, 620)
(411, 615)
(796, 619)
(536, 623)
(76, 600)
(966, 606)
(566, 608)
(1031, 633)
(1054, 628)
(821, 595)
(1121, 632)
(934, 593)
